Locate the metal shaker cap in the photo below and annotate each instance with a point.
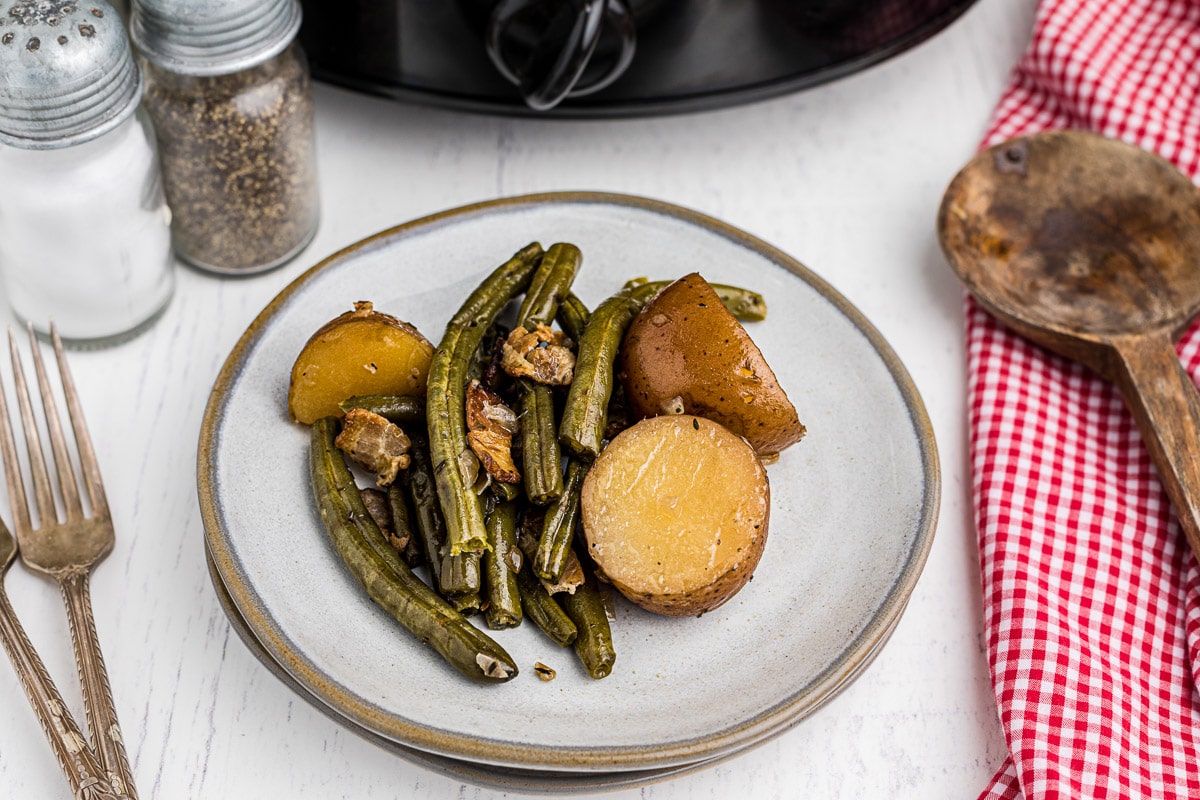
(212, 37)
(67, 72)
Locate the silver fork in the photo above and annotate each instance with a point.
(79, 764)
(66, 549)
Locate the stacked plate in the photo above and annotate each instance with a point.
(854, 507)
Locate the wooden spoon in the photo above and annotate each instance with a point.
(1091, 248)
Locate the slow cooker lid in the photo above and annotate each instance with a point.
(690, 54)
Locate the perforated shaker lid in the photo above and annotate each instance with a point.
(67, 72)
(212, 37)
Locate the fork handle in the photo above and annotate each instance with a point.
(93, 679)
(81, 768)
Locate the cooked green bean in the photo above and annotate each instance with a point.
(467, 604)
(429, 524)
(594, 644)
(386, 578)
(549, 285)
(506, 491)
(582, 428)
(501, 563)
(541, 457)
(445, 396)
(461, 574)
(572, 316)
(544, 610)
(558, 528)
(402, 525)
(744, 304)
(400, 409)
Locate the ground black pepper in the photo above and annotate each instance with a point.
(238, 162)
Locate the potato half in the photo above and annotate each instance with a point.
(685, 351)
(675, 513)
(361, 352)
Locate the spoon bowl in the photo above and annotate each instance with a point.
(1091, 248)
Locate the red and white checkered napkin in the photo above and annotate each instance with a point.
(1091, 595)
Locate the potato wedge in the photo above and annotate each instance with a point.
(361, 352)
(675, 513)
(685, 351)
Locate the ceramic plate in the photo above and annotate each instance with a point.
(853, 510)
(524, 781)
(545, 782)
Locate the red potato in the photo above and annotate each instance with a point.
(686, 351)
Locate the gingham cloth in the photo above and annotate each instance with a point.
(1091, 594)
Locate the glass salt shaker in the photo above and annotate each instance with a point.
(84, 226)
(229, 92)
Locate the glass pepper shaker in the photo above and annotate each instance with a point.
(84, 226)
(229, 92)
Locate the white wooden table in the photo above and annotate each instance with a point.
(846, 178)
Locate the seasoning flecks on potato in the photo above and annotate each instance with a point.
(686, 350)
(361, 352)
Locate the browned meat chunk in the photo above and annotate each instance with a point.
(542, 355)
(377, 444)
(490, 428)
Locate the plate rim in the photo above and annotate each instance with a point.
(500, 779)
(859, 652)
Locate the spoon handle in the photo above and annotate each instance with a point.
(1166, 405)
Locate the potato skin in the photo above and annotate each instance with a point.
(637, 515)
(360, 352)
(686, 344)
(702, 600)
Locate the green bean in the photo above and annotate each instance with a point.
(541, 457)
(544, 610)
(744, 304)
(501, 563)
(594, 644)
(582, 428)
(506, 491)
(445, 412)
(467, 604)
(572, 316)
(455, 577)
(429, 524)
(461, 574)
(400, 409)
(558, 529)
(386, 578)
(549, 285)
(402, 525)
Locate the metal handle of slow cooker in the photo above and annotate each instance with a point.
(543, 92)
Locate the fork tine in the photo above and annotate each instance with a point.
(62, 460)
(12, 472)
(33, 441)
(87, 454)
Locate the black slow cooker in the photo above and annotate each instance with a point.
(590, 58)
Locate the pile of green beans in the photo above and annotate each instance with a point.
(387, 579)
(463, 529)
(542, 458)
(445, 396)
